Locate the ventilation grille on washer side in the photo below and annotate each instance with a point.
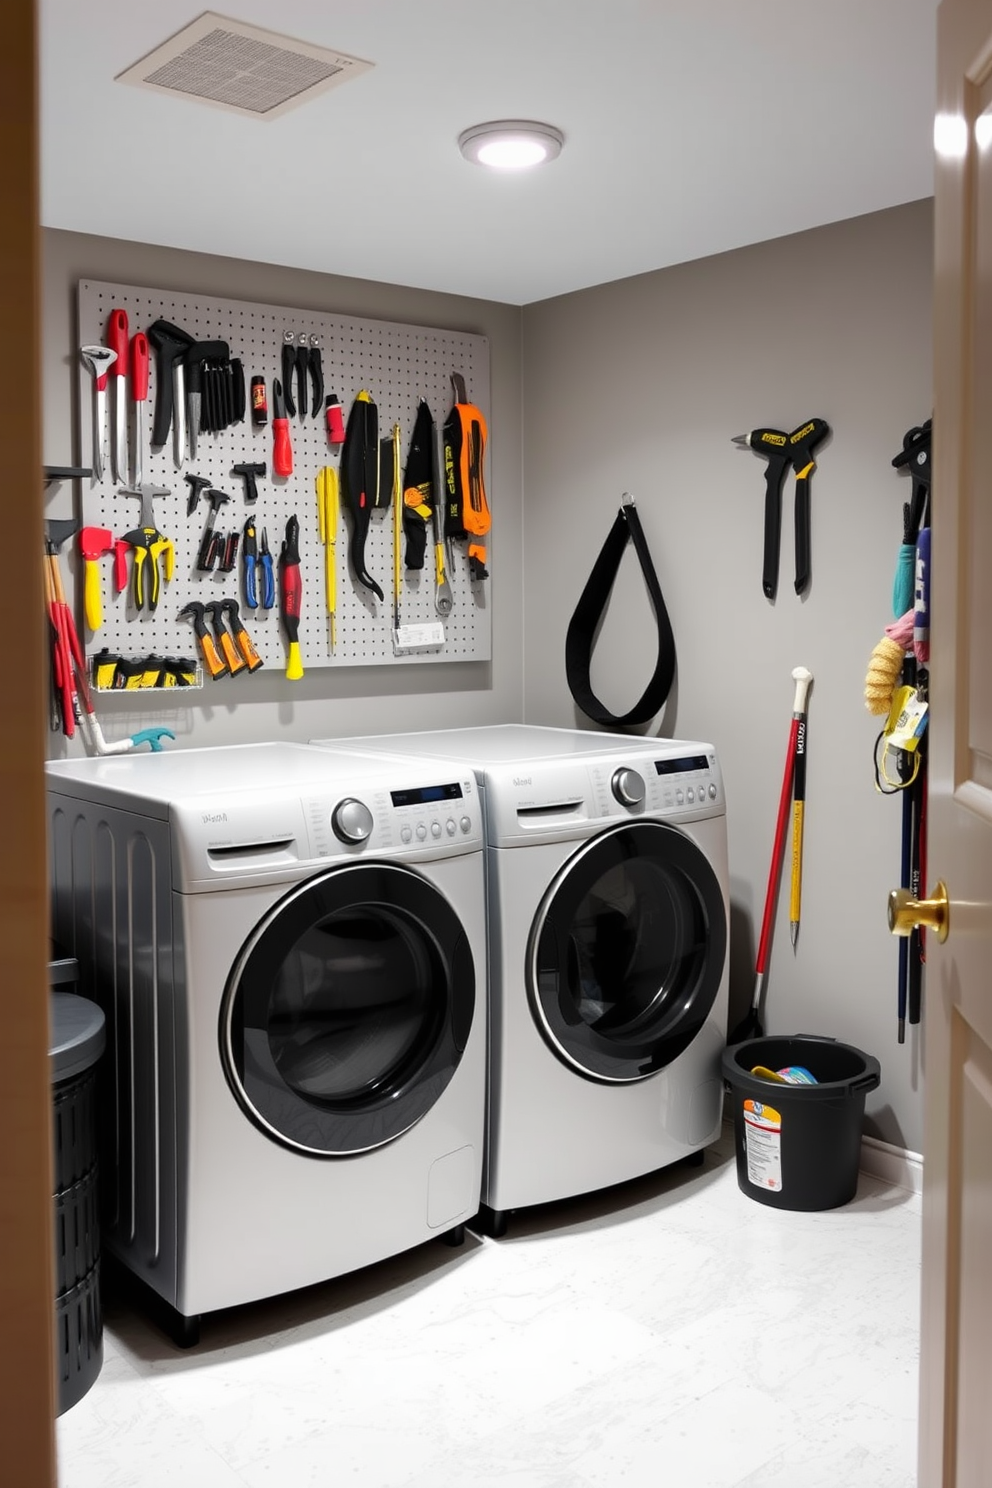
(241, 68)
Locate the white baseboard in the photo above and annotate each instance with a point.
(892, 1164)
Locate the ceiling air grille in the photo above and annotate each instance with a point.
(241, 68)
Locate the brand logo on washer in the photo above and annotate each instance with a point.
(523, 780)
(214, 816)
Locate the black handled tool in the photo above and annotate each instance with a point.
(802, 442)
(288, 364)
(171, 343)
(774, 445)
(197, 485)
(248, 474)
(316, 377)
(211, 542)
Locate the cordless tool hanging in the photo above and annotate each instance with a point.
(782, 450)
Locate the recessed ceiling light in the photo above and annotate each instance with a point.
(511, 144)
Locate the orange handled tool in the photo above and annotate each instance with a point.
(215, 663)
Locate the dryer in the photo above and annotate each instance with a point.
(608, 923)
(288, 944)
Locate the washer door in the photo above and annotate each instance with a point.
(626, 952)
(348, 1009)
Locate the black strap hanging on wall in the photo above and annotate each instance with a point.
(589, 612)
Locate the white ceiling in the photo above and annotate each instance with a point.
(691, 126)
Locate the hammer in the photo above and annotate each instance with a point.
(248, 474)
(93, 543)
(207, 556)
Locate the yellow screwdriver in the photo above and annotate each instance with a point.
(327, 516)
(397, 522)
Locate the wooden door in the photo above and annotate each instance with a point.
(956, 1351)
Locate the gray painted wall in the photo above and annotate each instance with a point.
(353, 699)
(639, 385)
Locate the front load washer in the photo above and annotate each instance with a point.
(288, 944)
(608, 914)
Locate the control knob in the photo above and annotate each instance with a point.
(628, 787)
(352, 820)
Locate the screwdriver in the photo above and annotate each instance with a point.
(327, 515)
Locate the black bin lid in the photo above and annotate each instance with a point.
(76, 1035)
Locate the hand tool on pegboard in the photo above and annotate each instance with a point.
(171, 342)
(139, 397)
(282, 446)
(419, 489)
(149, 547)
(213, 661)
(316, 377)
(232, 612)
(146, 493)
(466, 512)
(233, 659)
(443, 598)
(327, 524)
(267, 583)
(291, 597)
(118, 339)
(197, 485)
(93, 543)
(98, 361)
(397, 528)
(251, 475)
(360, 481)
(249, 563)
(211, 543)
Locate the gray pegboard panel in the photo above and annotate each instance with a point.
(399, 365)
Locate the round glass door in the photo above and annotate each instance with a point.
(626, 952)
(348, 1009)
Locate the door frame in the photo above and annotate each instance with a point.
(27, 1277)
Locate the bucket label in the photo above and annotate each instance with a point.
(763, 1145)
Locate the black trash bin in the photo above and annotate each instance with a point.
(76, 1042)
(798, 1146)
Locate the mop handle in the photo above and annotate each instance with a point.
(785, 801)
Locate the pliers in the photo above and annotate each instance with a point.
(302, 353)
(148, 542)
(268, 573)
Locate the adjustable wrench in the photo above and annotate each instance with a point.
(99, 360)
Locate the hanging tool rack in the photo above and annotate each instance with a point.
(399, 364)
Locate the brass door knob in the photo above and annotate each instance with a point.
(907, 914)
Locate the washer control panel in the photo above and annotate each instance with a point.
(438, 816)
(662, 784)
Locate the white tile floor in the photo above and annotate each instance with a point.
(670, 1333)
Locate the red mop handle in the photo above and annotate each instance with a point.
(785, 801)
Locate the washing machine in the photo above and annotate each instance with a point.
(289, 947)
(607, 888)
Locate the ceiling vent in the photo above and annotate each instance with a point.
(243, 69)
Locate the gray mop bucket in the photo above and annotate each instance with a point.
(798, 1146)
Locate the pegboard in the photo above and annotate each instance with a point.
(399, 365)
